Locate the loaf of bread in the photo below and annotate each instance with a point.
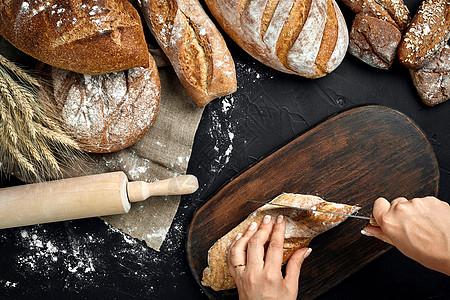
(392, 11)
(432, 81)
(90, 37)
(427, 35)
(194, 46)
(374, 41)
(305, 37)
(301, 227)
(376, 30)
(107, 112)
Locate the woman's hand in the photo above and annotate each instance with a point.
(419, 228)
(258, 274)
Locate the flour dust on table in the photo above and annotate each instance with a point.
(77, 256)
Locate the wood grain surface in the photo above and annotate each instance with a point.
(353, 157)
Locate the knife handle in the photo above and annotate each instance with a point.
(373, 222)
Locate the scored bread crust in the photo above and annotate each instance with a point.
(89, 37)
(292, 36)
(301, 227)
(107, 112)
(374, 41)
(432, 81)
(377, 30)
(194, 46)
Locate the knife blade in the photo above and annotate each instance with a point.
(313, 210)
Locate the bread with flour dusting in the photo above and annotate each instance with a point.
(89, 37)
(427, 35)
(377, 30)
(432, 81)
(107, 112)
(301, 227)
(194, 46)
(304, 37)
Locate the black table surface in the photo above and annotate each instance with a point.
(88, 259)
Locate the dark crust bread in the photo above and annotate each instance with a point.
(108, 112)
(374, 41)
(433, 80)
(301, 228)
(392, 11)
(376, 30)
(89, 37)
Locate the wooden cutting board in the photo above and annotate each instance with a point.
(354, 158)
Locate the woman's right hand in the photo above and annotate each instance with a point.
(419, 228)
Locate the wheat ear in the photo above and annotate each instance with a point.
(34, 144)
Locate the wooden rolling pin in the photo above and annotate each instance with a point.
(82, 197)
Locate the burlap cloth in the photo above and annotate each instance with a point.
(163, 152)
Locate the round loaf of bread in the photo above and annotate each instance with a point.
(107, 112)
(304, 37)
(90, 37)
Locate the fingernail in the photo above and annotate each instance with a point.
(266, 219)
(238, 236)
(279, 219)
(307, 253)
(366, 233)
(253, 226)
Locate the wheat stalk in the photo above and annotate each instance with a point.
(33, 142)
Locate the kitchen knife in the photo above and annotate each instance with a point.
(371, 220)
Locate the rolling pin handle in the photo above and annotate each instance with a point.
(181, 185)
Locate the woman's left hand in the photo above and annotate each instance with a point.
(258, 274)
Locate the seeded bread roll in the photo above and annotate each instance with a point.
(304, 37)
(90, 37)
(432, 81)
(398, 11)
(427, 35)
(107, 112)
(194, 46)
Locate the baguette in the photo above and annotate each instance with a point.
(89, 37)
(194, 46)
(304, 37)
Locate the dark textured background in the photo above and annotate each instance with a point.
(87, 259)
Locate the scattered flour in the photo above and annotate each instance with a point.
(78, 256)
(42, 251)
(8, 284)
(221, 132)
(251, 72)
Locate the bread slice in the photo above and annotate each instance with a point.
(301, 227)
